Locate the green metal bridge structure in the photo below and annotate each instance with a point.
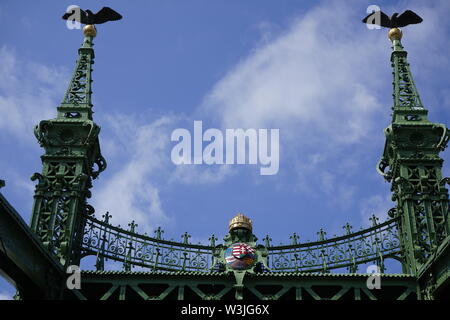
(64, 229)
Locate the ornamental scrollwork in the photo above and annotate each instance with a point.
(373, 244)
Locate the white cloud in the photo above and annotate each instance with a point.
(132, 192)
(317, 83)
(29, 92)
(326, 83)
(315, 77)
(140, 154)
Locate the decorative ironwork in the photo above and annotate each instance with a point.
(110, 242)
(405, 91)
(374, 244)
(412, 164)
(369, 245)
(79, 90)
(71, 161)
(417, 235)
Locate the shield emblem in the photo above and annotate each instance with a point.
(240, 256)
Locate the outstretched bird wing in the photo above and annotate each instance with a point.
(82, 17)
(408, 17)
(382, 20)
(106, 14)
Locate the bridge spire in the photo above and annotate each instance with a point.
(407, 102)
(71, 161)
(412, 164)
(77, 101)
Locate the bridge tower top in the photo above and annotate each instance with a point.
(71, 161)
(411, 162)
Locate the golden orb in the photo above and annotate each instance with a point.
(395, 34)
(89, 30)
(240, 221)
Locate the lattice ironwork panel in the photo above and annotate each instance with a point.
(374, 244)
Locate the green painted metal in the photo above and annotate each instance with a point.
(412, 164)
(374, 244)
(417, 233)
(72, 159)
(139, 285)
(434, 276)
(24, 261)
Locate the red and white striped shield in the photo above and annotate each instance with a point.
(240, 250)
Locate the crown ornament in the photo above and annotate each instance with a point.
(240, 221)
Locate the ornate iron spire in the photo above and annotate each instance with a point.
(411, 162)
(77, 101)
(71, 161)
(407, 102)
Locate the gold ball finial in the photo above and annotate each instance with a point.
(240, 221)
(395, 34)
(89, 30)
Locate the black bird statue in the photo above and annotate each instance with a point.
(395, 21)
(88, 17)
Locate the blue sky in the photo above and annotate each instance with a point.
(308, 68)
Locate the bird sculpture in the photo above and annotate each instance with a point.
(89, 18)
(395, 21)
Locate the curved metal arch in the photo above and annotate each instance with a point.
(133, 249)
(373, 244)
(369, 245)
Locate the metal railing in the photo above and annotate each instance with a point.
(374, 244)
